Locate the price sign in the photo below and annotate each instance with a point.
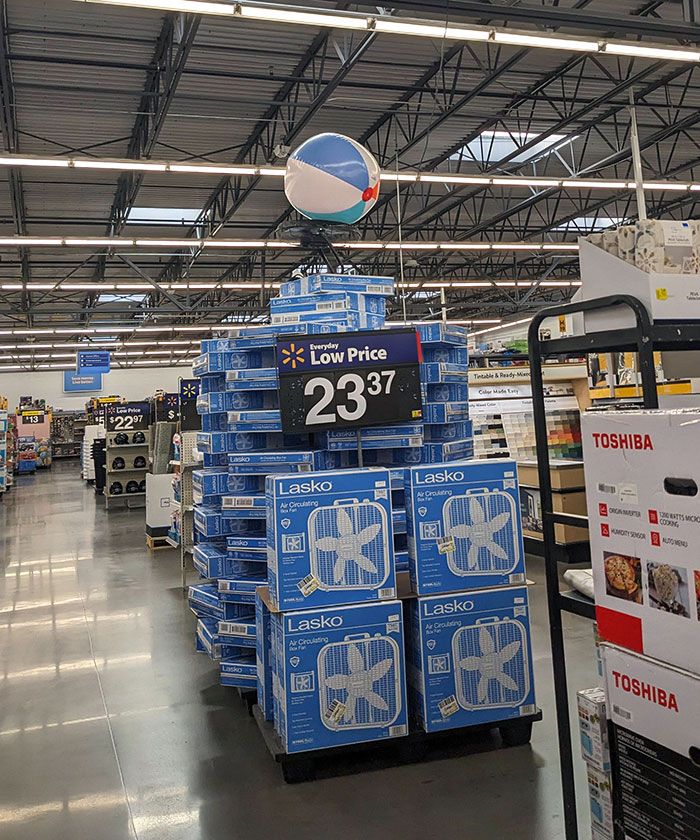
(127, 417)
(190, 421)
(349, 380)
(32, 418)
(168, 408)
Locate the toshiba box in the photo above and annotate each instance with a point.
(655, 745)
(643, 489)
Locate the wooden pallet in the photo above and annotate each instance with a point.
(156, 543)
(415, 747)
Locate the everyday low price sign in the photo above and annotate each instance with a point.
(349, 380)
(127, 417)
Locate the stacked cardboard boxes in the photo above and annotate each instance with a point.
(642, 482)
(468, 640)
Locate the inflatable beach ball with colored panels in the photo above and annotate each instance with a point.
(332, 178)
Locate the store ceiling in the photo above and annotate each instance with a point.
(83, 80)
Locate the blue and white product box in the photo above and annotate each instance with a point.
(445, 412)
(209, 640)
(317, 283)
(211, 383)
(443, 372)
(439, 333)
(240, 590)
(268, 374)
(437, 392)
(391, 457)
(213, 443)
(211, 560)
(464, 529)
(239, 630)
(329, 538)
(446, 353)
(248, 338)
(263, 656)
(351, 318)
(252, 441)
(289, 461)
(341, 676)
(216, 401)
(210, 482)
(215, 345)
(455, 450)
(329, 302)
(400, 430)
(244, 484)
(368, 443)
(209, 522)
(215, 422)
(216, 460)
(254, 421)
(238, 670)
(203, 600)
(253, 545)
(241, 399)
(401, 560)
(468, 658)
(238, 501)
(438, 432)
(217, 362)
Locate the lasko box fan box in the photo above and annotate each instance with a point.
(468, 658)
(654, 709)
(464, 529)
(643, 488)
(341, 675)
(329, 538)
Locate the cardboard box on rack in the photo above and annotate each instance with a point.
(464, 529)
(601, 803)
(341, 675)
(330, 538)
(593, 728)
(644, 523)
(564, 474)
(654, 710)
(469, 658)
(573, 502)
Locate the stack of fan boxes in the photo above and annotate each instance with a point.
(337, 648)
(468, 641)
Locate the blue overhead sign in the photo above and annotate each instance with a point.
(95, 361)
(73, 381)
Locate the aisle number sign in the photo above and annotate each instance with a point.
(127, 417)
(349, 380)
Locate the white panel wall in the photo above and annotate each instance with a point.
(132, 383)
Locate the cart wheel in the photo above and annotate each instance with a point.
(516, 734)
(298, 771)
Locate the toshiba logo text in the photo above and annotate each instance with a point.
(603, 440)
(646, 691)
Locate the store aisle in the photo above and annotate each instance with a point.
(111, 726)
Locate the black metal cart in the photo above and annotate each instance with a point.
(643, 338)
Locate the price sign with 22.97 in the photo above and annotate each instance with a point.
(349, 380)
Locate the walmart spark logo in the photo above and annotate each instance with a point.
(293, 356)
(189, 389)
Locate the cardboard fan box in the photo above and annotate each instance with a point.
(643, 487)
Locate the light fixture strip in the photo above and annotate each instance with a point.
(412, 27)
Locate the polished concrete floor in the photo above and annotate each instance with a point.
(112, 727)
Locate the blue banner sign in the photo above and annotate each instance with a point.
(349, 380)
(94, 361)
(73, 381)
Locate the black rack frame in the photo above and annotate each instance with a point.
(643, 339)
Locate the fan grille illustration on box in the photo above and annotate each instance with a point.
(359, 683)
(349, 545)
(490, 664)
(481, 525)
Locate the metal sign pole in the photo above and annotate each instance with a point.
(360, 459)
(637, 160)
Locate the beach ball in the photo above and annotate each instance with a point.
(332, 178)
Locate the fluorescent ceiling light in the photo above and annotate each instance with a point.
(526, 182)
(411, 246)
(242, 243)
(665, 185)
(455, 179)
(524, 40)
(195, 7)
(399, 176)
(136, 165)
(596, 185)
(10, 160)
(516, 246)
(283, 14)
(430, 30)
(210, 169)
(271, 171)
(23, 241)
(464, 246)
(643, 51)
(169, 243)
(163, 215)
(101, 243)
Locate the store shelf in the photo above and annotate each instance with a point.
(128, 470)
(119, 446)
(125, 495)
(574, 602)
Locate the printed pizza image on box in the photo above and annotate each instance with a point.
(643, 491)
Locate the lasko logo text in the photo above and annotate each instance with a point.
(448, 608)
(323, 622)
(312, 486)
(639, 688)
(603, 440)
(440, 477)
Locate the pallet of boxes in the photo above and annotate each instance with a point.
(643, 486)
